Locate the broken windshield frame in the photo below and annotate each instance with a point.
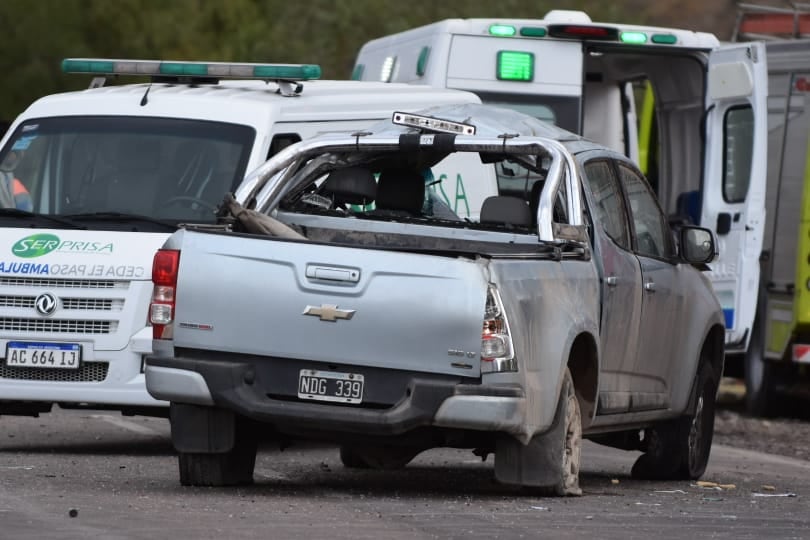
(266, 186)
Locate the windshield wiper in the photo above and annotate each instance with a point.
(121, 217)
(16, 212)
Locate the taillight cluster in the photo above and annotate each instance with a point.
(164, 277)
(497, 351)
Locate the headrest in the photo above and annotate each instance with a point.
(352, 185)
(401, 189)
(500, 209)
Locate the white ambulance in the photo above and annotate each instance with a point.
(707, 158)
(97, 179)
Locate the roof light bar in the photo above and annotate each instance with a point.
(213, 70)
(433, 124)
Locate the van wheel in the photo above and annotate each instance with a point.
(231, 468)
(679, 449)
(759, 376)
(550, 463)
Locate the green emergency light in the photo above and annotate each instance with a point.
(515, 66)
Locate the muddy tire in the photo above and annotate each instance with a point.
(550, 463)
(572, 444)
(221, 469)
(679, 449)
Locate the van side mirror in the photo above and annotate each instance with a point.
(697, 245)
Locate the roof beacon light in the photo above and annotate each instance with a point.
(211, 70)
(635, 38)
(664, 39)
(502, 30)
(433, 124)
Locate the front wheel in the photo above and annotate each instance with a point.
(679, 449)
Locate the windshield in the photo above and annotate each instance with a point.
(167, 169)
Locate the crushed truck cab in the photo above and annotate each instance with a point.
(568, 308)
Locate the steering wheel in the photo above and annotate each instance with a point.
(189, 201)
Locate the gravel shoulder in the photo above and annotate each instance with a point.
(779, 436)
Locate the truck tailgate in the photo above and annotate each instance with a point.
(330, 303)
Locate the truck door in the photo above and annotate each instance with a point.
(734, 180)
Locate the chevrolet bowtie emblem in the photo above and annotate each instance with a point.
(329, 312)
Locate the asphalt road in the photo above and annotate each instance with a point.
(93, 475)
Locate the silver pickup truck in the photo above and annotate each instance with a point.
(341, 299)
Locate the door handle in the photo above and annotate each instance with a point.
(611, 281)
(333, 273)
(649, 286)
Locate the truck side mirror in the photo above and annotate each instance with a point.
(697, 245)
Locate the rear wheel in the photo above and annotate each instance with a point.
(679, 449)
(231, 468)
(759, 376)
(550, 463)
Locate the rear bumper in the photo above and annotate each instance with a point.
(426, 400)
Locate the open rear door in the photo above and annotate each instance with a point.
(734, 180)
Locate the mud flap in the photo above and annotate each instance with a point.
(539, 463)
(204, 430)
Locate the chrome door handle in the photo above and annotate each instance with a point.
(611, 281)
(649, 286)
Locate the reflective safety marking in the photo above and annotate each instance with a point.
(801, 354)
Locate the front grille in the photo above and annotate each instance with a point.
(65, 283)
(17, 301)
(89, 304)
(87, 372)
(93, 304)
(60, 326)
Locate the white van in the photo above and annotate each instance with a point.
(110, 173)
(707, 158)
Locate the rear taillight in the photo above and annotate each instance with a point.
(164, 277)
(497, 351)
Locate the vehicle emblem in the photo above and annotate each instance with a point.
(45, 304)
(329, 312)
